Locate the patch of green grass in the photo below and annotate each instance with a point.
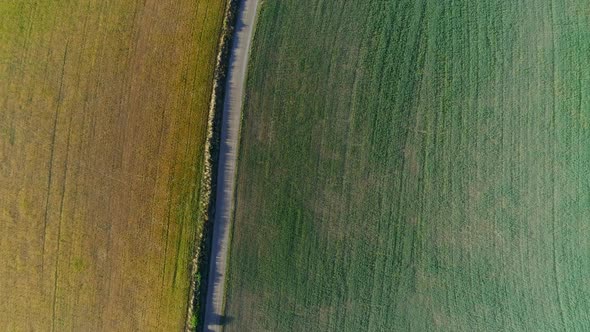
(78, 265)
(194, 321)
(414, 166)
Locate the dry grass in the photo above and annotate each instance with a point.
(103, 117)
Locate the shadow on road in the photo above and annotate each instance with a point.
(214, 320)
(222, 321)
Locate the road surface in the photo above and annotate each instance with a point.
(230, 131)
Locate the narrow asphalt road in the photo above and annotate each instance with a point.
(230, 131)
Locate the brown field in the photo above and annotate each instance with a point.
(103, 109)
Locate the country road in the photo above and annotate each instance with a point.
(230, 131)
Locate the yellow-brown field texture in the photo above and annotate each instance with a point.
(103, 115)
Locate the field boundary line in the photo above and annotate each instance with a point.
(209, 175)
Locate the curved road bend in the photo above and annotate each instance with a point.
(230, 130)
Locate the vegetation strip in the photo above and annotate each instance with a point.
(208, 188)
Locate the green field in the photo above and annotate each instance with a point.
(103, 119)
(415, 166)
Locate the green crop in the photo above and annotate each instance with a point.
(414, 166)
